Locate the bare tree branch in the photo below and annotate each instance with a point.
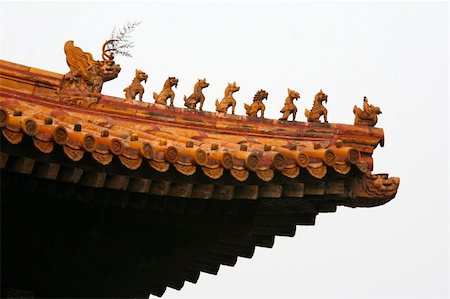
(121, 40)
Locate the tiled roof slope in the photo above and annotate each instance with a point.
(186, 191)
(149, 136)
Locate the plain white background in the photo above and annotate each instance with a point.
(395, 53)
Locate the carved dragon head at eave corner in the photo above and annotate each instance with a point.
(371, 190)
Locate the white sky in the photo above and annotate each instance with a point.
(395, 53)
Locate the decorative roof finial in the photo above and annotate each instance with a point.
(289, 107)
(167, 92)
(87, 74)
(367, 116)
(318, 108)
(257, 104)
(228, 101)
(136, 87)
(197, 97)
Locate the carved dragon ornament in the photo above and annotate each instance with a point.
(370, 190)
(87, 74)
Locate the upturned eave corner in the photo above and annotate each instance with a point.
(311, 139)
(211, 184)
(371, 190)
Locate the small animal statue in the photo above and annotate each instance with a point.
(289, 107)
(136, 87)
(257, 104)
(228, 100)
(367, 116)
(318, 109)
(167, 92)
(197, 97)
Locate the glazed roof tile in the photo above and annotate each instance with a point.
(93, 147)
(164, 137)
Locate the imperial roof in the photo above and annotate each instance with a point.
(152, 137)
(149, 151)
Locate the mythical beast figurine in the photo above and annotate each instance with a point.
(197, 97)
(289, 107)
(136, 87)
(87, 74)
(228, 100)
(318, 108)
(167, 92)
(257, 104)
(367, 116)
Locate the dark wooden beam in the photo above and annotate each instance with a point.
(263, 241)
(46, 170)
(315, 188)
(138, 200)
(51, 189)
(232, 207)
(160, 188)
(223, 192)
(103, 196)
(207, 267)
(157, 290)
(246, 192)
(191, 275)
(235, 238)
(176, 284)
(118, 182)
(246, 251)
(223, 259)
(68, 191)
(271, 191)
(70, 175)
(306, 219)
(84, 194)
(293, 190)
(3, 159)
(29, 185)
(275, 219)
(327, 207)
(202, 191)
(23, 165)
(120, 199)
(194, 206)
(139, 185)
(335, 187)
(176, 205)
(286, 206)
(279, 230)
(180, 190)
(93, 179)
(182, 269)
(158, 204)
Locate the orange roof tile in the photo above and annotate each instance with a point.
(152, 136)
(142, 155)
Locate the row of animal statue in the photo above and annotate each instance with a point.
(88, 75)
(365, 116)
